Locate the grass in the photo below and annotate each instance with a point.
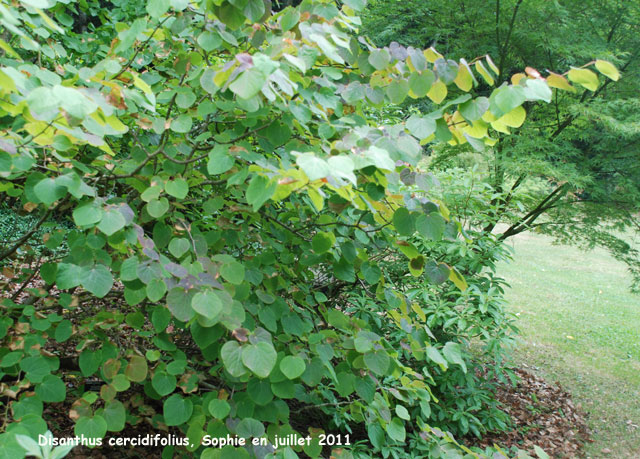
(581, 327)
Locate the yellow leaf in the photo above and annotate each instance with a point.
(42, 132)
(558, 81)
(316, 198)
(491, 142)
(49, 21)
(515, 79)
(427, 139)
(418, 310)
(7, 83)
(107, 149)
(8, 49)
(485, 74)
(514, 118)
(457, 279)
(432, 55)
(116, 124)
(477, 130)
(584, 77)
(220, 77)
(464, 79)
(608, 69)
(346, 193)
(488, 116)
(438, 92)
(141, 84)
(491, 65)
(360, 203)
(457, 126)
(444, 211)
(499, 126)
(395, 315)
(458, 120)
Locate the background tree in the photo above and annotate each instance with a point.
(571, 171)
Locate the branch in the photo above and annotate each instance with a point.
(146, 42)
(310, 407)
(530, 217)
(503, 52)
(36, 270)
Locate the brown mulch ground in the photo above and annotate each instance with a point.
(543, 415)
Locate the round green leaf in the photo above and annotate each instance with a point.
(231, 354)
(52, 389)
(156, 288)
(112, 221)
(207, 304)
(179, 246)
(260, 358)
(377, 361)
(397, 91)
(421, 127)
(437, 273)
(120, 382)
(177, 410)
(292, 366)
(249, 83)
(379, 58)
(259, 391)
(163, 383)
(219, 161)
(250, 428)
(157, 8)
(473, 109)
(89, 361)
(219, 409)
(177, 188)
(91, 427)
(209, 41)
(505, 99)
(431, 226)
(232, 272)
(182, 124)
(420, 83)
(179, 303)
(260, 190)
(35, 367)
(11, 358)
(371, 272)
(403, 221)
(63, 331)
(87, 215)
(396, 430)
(48, 191)
(97, 280)
(157, 207)
(115, 415)
(322, 242)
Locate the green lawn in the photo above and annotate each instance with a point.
(581, 327)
